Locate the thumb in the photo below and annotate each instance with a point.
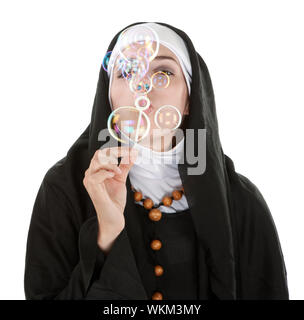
(127, 162)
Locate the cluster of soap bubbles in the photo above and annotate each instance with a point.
(137, 47)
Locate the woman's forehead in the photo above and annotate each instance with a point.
(163, 52)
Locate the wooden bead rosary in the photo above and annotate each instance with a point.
(166, 201)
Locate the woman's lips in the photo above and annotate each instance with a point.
(149, 110)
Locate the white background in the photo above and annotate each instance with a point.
(51, 52)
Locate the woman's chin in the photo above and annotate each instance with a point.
(156, 142)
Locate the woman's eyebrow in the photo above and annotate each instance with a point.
(164, 58)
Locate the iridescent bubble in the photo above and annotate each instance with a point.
(168, 117)
(105, 61)
(142, 66)
(160, 80)
(142, 103)
(133, 68)
(128, 123)
(124, 68)
(141, 86)
(138, 38)
(146, 52)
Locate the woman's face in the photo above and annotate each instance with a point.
(175, 94)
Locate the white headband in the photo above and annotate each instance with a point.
(168, 38)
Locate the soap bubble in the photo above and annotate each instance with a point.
(160, 80)
(142, 103)
(128, 123)
(105, 61)
(142, 86)
(141, 40)
(134, 68)
(168, 117)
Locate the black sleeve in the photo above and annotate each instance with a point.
(262, 265)
(64, 261)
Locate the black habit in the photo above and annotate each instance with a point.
(225, 246)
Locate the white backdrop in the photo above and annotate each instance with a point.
(51, 52)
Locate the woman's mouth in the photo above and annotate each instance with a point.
(149, 109)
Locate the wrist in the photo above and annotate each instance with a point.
(107, 235)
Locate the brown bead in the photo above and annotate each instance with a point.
(157, 296)
(167, 201)
(155, 214)
(156, 244)
(176, 195)
(148, 203)
(137, 196)
(158, 270)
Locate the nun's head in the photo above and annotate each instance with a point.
(168, 98)
(175, 94)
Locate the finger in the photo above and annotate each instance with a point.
(95, 186)
(96, 166)
(113, 152)
(107, 159)
(126, 164)
(103, 157)
(99, 177)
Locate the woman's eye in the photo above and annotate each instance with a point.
(121, 75)
(169, 73)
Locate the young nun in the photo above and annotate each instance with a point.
(148, 228)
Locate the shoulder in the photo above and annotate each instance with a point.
(55, 183)
(56, 173)
(69, 170)
(249, 207)
(54, 198)
(244, 192)
(62, 192)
